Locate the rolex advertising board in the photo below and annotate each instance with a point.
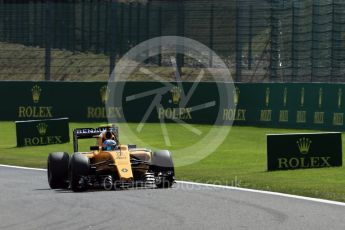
(42, 132)
(285, 105)
(300, 151)
(154, 102)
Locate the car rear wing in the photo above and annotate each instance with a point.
(85, 133)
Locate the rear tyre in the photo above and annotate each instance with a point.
(79, 171)
(162, 166)
(57, 170)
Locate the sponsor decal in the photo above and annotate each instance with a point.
(338, 119)
(340, 96)
(42, 132)
(320, 97)
(236, 93)
(302, 97)
(175, 113)
(42, 138)
(285, 96)
(299, 151)
(234, 114)
(35, 111)
(94, 130)
(90, 130)
(101, 112)
(176, 95)
(304, 145)
(104, 92)
(42, 128)
(48, 140)
(267, 98)
(266, 115)
(301, 117)
(36, 93)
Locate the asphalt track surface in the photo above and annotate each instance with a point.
(26, 202)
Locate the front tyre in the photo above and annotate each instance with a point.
(57, 170)
(162, 166)
(79, 170)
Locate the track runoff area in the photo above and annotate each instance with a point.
(28, 203)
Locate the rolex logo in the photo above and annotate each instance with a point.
(267, 99)
(176, 95)
(36, 93)
(302, 97)
(104, 92)
(320, 97)
(285, 96)
(304, 145)
(236, 96)
(340, 95)
(42, 128)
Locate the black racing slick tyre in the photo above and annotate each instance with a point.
(57, 170)
(163, 167)
(79, 168)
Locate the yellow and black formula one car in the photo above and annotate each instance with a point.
(108, 164)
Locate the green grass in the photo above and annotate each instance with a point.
(241, 158)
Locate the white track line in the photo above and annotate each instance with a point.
(19, 167)
(225, 187)
(266, 193)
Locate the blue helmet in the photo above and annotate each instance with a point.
(109, 145)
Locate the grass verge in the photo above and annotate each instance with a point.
(240, 160)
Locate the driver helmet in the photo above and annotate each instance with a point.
(109, 145)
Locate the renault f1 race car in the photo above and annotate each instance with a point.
(108, 164)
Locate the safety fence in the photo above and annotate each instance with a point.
(260, 41)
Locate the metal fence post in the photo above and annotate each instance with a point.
(5, 21)
(333, 61)
(90, 24)
(211, 36)
(129, 25)
(83, 46)
(138, 22)
(73, 25)
(121, 37)
(238, 44)
(159, 24)
(10, 25)
(147, 28)
(42, 24)
(274, 54)
(48, 39)
(65, 26)
(106, 27)
(98, 23)
(180, 33)
(53, 15)
(250, 38)
(113, 33)
(35, 25)
(293, 52)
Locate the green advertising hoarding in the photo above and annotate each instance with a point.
(42, 132)
(283, 105)
(303, 150)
